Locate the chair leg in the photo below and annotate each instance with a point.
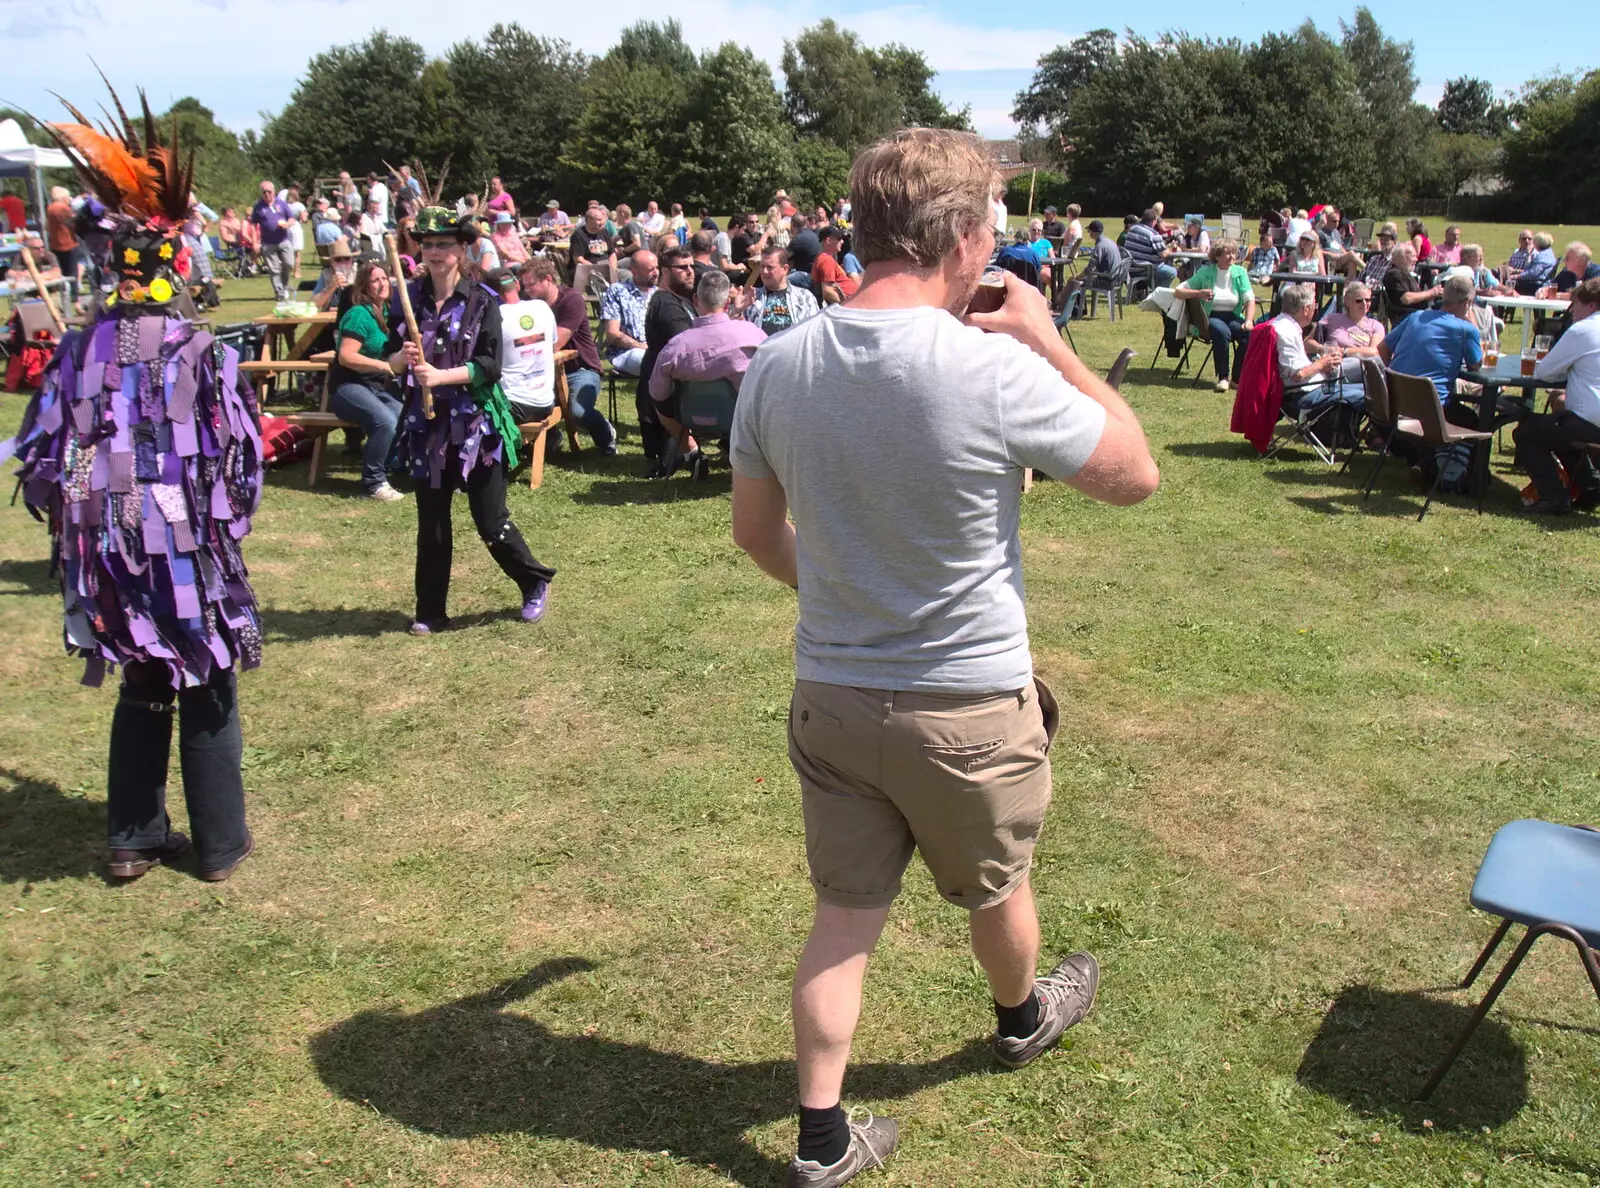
(1585, 954)
(536, 461)
(1488, 951)
(1383, 456)
(1027, 479)
(1432, 491)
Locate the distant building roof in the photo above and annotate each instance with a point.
(1006, 152)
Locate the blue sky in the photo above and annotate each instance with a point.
(258, 48)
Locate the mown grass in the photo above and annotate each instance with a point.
(527, 900)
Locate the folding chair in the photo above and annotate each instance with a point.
(1361, 231)
(1309, 420)
(1545, 877)
(705, 409)
(224, 260)
(1380, 417)
(1199, 331)
(1119, 369)
(1232, 225)
(1415, 396)
(580, 276)
(1070, 304)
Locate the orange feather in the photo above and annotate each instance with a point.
(132, 178)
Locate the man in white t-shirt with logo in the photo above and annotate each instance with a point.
(527, 350)
(897, 433)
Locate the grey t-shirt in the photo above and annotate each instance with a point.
(900, 437)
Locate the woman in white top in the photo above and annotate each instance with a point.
(297, 229)
(997, 208)
(1575, 419)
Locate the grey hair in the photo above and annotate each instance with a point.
(1459, 290)
(712, 291)
(1296, 298)
(1402, 251)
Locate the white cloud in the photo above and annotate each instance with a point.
(255, 52)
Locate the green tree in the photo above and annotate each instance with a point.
(223, 172)
(645, 43)
(821, 172)
(831, 90)
(1387, 83)
(908, 72)
(1549, 158)
(1061, 74)
(1457, 158)
(628, 140)
(512, 101)
(1468, 107)
(357, 107)
(739, 148)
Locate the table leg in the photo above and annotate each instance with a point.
(1481, 450)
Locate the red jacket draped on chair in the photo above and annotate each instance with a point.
(1260, 396)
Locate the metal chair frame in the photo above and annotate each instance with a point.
(1535, 931)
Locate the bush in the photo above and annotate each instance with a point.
(1051, 190)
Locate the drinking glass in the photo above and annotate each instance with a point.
(1541, 345)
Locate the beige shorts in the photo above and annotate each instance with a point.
(965, 780)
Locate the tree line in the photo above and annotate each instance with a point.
(650, 118)
(1297, 117)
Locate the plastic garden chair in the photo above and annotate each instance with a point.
(1547, 878)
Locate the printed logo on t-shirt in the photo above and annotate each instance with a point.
(776, 313)
(526, 321)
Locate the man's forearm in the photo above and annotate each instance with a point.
(777, 558)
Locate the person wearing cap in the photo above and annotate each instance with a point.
(1378, 265)
(507, 242)
(1053, 227)
(1105, 257)
(338, 274)
(527, 349)
(554, 223)
(470, 441)
(829, 281)
(1195, 236)
(325, 228)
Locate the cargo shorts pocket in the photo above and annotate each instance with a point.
(968, 757)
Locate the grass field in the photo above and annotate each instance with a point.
(527, 900)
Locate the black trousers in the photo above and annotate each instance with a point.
(486, 496)
(210, 750)
(1541, 440)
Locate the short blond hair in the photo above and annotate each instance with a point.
(1221, 246)
(1579, 249)
(914, 193)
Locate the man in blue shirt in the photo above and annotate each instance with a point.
(1438, 343)
(271, 215)
(1577, 265)
(1145, 245)
(1539, 268)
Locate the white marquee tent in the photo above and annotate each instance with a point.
(18, 158)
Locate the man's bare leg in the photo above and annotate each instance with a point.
(827, 996)
(1005, 940)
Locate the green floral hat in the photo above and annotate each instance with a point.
(437, 220)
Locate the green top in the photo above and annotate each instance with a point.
(1205, 277)
(359, 324)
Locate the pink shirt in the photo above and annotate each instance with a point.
(1348, 332)
(1447, 255)
(713, 347)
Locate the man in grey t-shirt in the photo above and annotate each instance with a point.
(897, 432)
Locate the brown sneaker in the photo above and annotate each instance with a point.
(130, 864)
(1065, 995)
(221, 874)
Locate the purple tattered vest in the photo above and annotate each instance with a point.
(449, 332)
(142, 451)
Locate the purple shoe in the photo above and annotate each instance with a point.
(535, 604)
(428, 626)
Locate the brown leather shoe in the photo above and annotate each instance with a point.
(130, 864)
(222, 874)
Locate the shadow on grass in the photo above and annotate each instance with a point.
(45, 834)
(28, 577)
(618, 492)
(468, 1067)
(1376, 1047)
(286, 626)
(1238, 449)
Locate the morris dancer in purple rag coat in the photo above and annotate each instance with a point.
(470, 442)
(142, 452)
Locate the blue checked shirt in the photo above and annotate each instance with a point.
(625, 303)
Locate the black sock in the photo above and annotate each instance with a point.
(824, 1136)
(1018, 1022)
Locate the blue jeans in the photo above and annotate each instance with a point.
(583, 393)
(1165, 275)
(1227, 328)
(378, 413)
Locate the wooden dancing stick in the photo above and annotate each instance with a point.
(411, 318)
(33, 271)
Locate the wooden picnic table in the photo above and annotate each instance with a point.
(294, 337)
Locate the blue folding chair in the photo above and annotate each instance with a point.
(1547, 878)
